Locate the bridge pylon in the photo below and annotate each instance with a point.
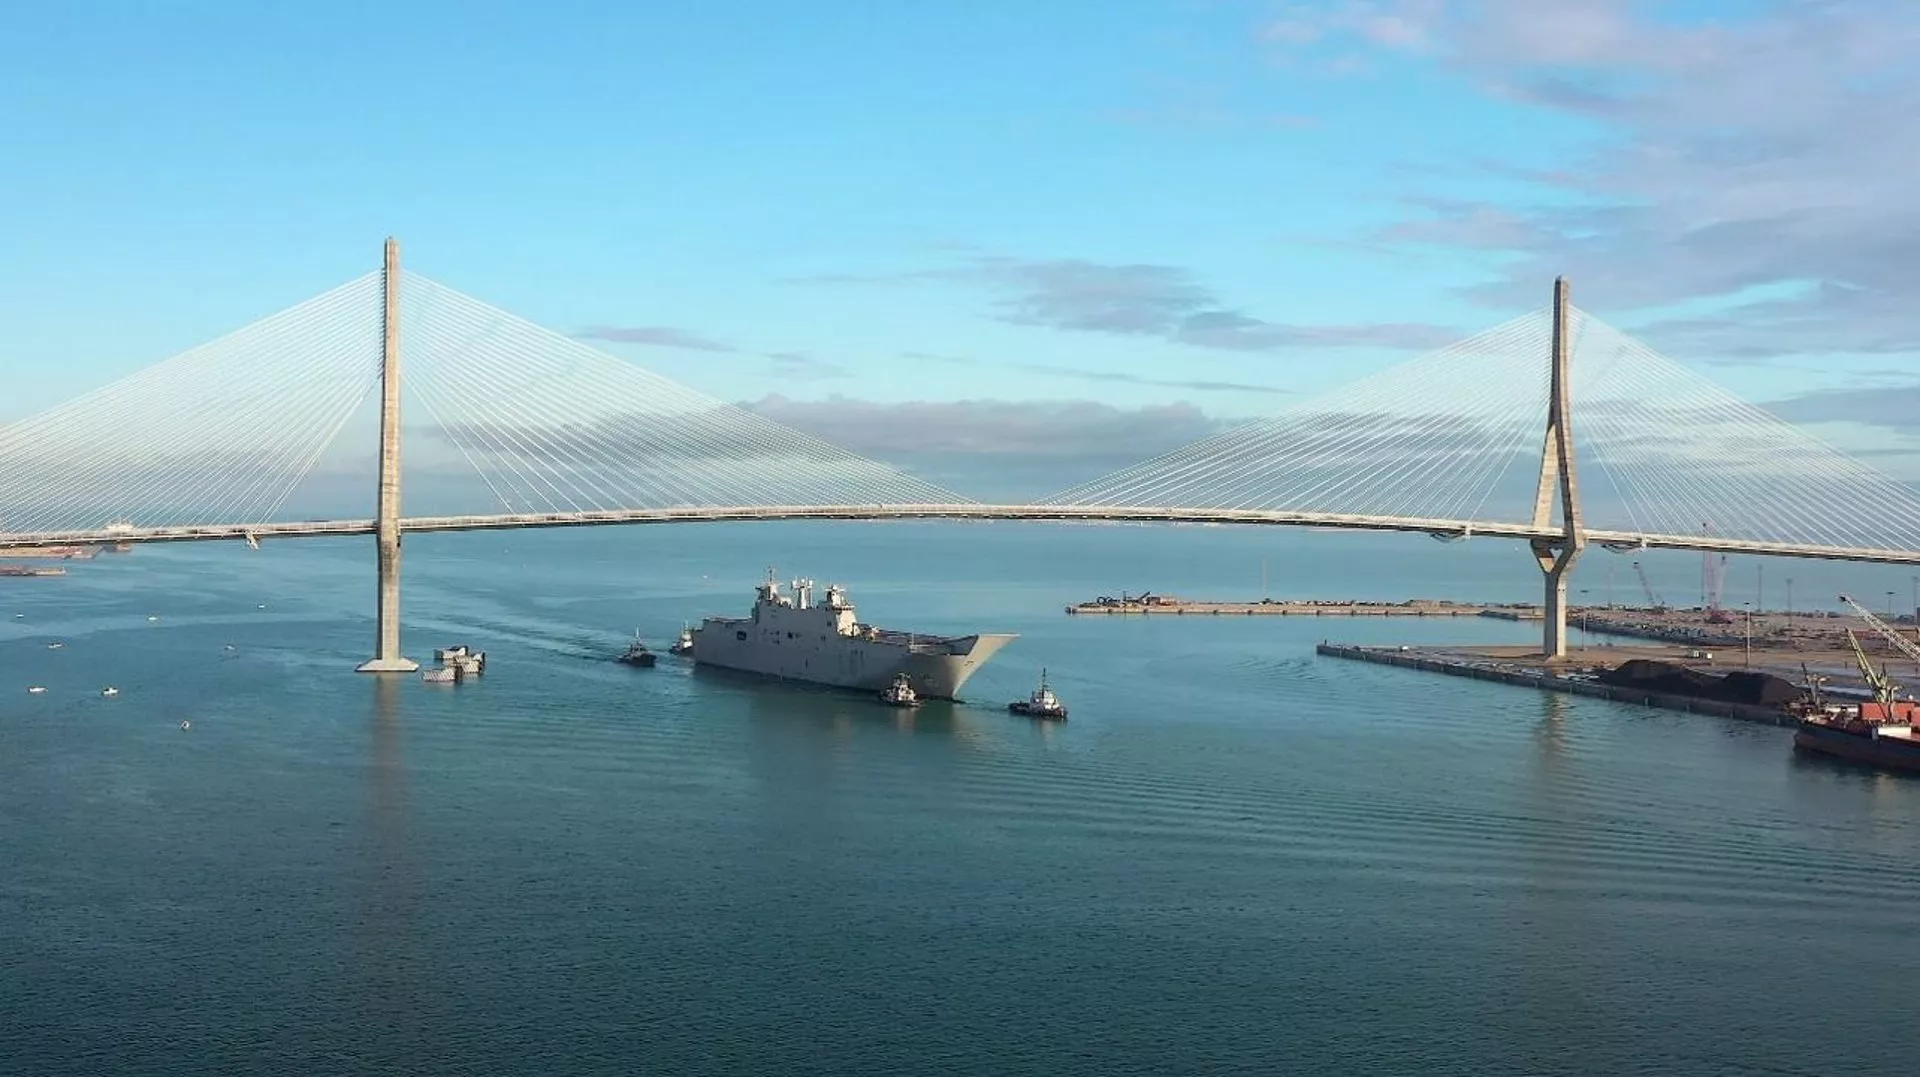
(1558, 477)
(386, 656)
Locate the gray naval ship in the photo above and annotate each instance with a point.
(823, 643)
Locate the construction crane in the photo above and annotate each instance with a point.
(1653, 599)
(1900, 643)
(1717, 575)
(1713, 579)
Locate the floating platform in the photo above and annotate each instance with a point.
(1488, 664)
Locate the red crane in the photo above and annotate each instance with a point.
(1713, 579)
(1653, 600)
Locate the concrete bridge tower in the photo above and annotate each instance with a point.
(386, 656)
(1557, 476)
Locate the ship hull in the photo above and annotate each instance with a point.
(1895, 753)
(845, 662)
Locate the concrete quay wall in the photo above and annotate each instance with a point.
(1455, 666)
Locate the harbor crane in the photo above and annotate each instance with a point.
(1900, 643)
(1653, 599)
(1878, 682)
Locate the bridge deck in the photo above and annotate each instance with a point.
(961, 511)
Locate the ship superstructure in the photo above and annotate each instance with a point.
(796, 638)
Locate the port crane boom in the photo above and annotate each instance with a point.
(1653, 599)
(1877, 680)
(1901, 643)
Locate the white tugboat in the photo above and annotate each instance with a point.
(457, 663)
(900, 693)
(1041, 704)
(470, 663)
(684, 645)
(825, 643)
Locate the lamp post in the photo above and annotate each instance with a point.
(1789, 598)
(1889, 604)
(1749, 657)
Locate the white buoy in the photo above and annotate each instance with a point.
(109, 690)
(36, 689)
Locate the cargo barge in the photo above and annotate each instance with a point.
(1881, 744)
(1878, 731)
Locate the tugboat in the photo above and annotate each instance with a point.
(637, 654)
(900, 693)
(683, 645)
(1041, 704)
(470, 663)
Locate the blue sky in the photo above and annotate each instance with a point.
(1212, 199)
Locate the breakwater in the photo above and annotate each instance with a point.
(1419, 607)
(1487, 668)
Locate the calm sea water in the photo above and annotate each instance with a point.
(1236, 858)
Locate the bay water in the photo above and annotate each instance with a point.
(1236, 857)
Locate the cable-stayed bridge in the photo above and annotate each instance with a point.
(1554, 429)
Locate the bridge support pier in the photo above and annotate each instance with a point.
(1556, 563)
(1557, 477)
(386, 656)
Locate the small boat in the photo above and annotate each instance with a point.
(1041, 704)
(109, 691)
(683, 645)
(469, 662)
(185, 725)
(36, 689)
(55, 646)
(900, 693)
(637, 654)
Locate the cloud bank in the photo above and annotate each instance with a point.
(1145, 300)
(1760, 164)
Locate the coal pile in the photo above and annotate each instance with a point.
(1754, 689)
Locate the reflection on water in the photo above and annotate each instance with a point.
(387, 881)
(1550, 732)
